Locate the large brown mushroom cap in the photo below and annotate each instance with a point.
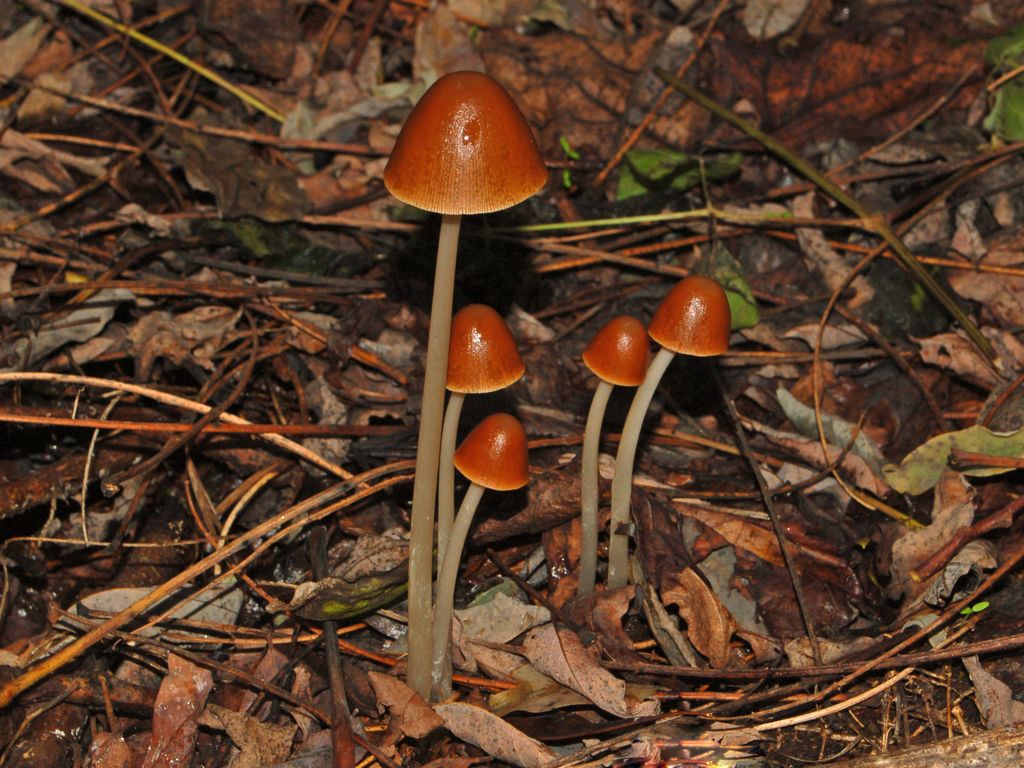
(494, 454)
(482, 355)
(619, 353)
(465, 148)
(693, 319)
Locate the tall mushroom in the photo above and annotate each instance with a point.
(493, 456)
(465, 148)
(618, 355)
(482, 357)
(693, 319)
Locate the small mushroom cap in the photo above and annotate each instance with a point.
(482, 356)
(693, 319)
(465, 148)
(620, 352)
(494, 454)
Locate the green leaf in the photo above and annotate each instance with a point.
(1007, 50)
(1003, 53)
(653, 170)
(728, 273)
(921, 468)
(1006, 120)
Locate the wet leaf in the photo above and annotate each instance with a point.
(179, 702)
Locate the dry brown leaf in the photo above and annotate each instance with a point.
(443, 45)
(999, 708)
(109, 750)
(179, 702)
(499, 620)
(953, 509)
(18, 48)
(832, 266)
(493, 735)
(193, 336)
(259, 743)
(710, 626)
(602, 612)
(410, 715)
(955, 353)
(1001, 295)
(741, 532)
(560, 655)
(534, 692)
(876, 83)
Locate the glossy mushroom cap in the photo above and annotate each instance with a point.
(482, 356)
(494, 454)
(620, 352)
(693, 319)
(465, 148)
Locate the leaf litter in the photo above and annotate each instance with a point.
(173, 234)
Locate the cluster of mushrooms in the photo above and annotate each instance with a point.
(465, 149)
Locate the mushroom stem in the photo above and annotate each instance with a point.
(446, 578)
(421, 536)
(446, 475)
(589, 488)
(622, 482)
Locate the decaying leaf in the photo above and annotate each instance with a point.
(493, 735)
(534, 692)
(78, 325)
(194, 336)
(953, 510)
(602, 613)
(921, 469)
(996, 701)
(498, 620)
(837, 431)
(954, 352)
(409, 714)
(373, 575)
(260, 743)
(739, 530)
(709, 625)
(559, 654)
(179, 702)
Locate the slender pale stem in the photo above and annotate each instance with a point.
(622, 482)
(446, 474)
(589, 489)
(446, 578)
(424, 489)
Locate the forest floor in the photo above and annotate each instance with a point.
(214, 323)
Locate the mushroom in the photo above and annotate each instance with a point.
(693, 319)
(493, 456)
(482, 357)
(465, 148)
(618, 355)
